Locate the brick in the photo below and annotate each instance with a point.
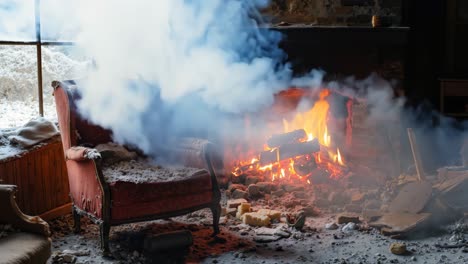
(272, 214)
(235, 203)
(242, 209)
(255, 219)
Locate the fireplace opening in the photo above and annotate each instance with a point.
(312, 133)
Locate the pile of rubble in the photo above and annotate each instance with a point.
(397, 208)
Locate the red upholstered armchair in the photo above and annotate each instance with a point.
(109, 203)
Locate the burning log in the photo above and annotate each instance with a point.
(269, 156)
(305, 166)
(287, 138)
(287, 151)
(298, 149)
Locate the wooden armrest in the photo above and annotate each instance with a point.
(11, 214)
(81, 154)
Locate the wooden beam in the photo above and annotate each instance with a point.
(416, 155)
(56, 212)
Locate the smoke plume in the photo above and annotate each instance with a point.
(165, 66)
(170, 68)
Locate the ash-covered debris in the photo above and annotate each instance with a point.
(138, 171)
(260, 228)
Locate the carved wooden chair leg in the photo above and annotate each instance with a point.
(216, 211)
(104, 229)
(76, 220)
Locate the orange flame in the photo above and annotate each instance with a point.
(314, 121)
(339, 159)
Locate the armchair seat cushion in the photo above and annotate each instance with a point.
(140, 189)
(23, 247)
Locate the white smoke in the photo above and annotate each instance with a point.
(185, 67)
(150, 54)
(17, 20)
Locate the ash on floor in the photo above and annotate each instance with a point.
(322, 240)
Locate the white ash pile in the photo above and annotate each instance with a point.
(120, 164)
(139, 171)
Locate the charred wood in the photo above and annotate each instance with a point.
(298, 149)
(287, 138)
(305, 166)
(268, 157)
(288, 151)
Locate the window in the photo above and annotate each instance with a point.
(18, 85)
(26, 44)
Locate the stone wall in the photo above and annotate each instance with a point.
(335, 12)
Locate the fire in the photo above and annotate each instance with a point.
(314, 123)
(339, 159)
(336, 157)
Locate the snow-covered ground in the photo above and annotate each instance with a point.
(18, 80)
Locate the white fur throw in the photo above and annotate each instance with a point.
(34, 132)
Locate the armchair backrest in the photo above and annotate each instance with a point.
(74, 129)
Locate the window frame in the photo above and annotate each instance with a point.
(38, 43)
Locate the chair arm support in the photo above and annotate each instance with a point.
(11, 214)
(82, 153)
(88, 188)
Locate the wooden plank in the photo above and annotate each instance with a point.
(416, 154)
(38, 177)
(12, 178)
(295, 136)
(20, 197)
(21, 167)
(30, 172)
(41, 177)
(60, 184)
(412, 198)
(56, 212)
(398, 223)
(47, 180)
(54, 181)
